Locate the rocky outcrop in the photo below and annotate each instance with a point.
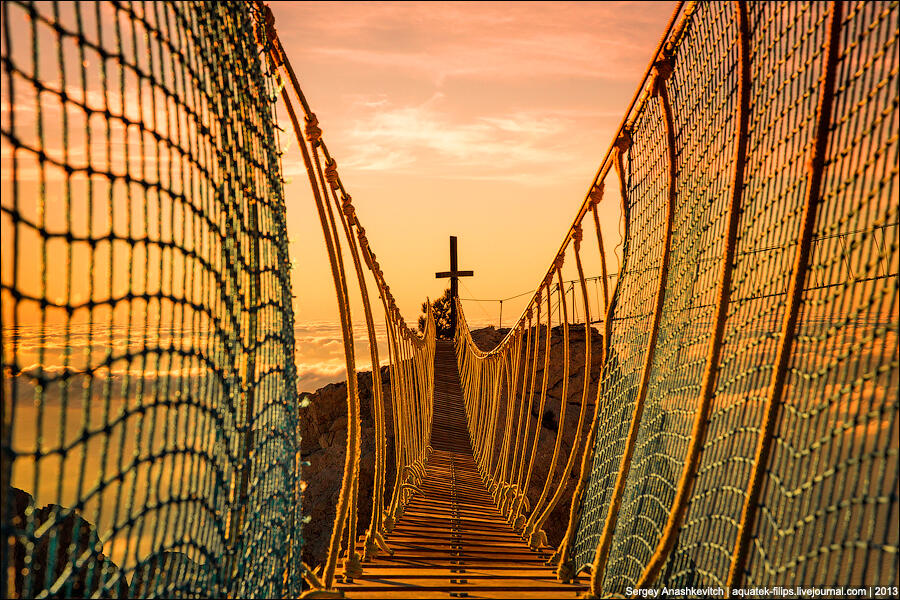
(324, 432)
(61, 539)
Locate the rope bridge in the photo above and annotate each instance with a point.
(732, 421)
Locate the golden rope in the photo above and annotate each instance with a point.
(517, 518)
(576, 443)
(533, 534)
(410, 358)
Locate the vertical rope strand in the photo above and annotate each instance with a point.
(798, 277)
(340, 289)
(535, 536)
(579, 427)
(562, 559)
(519, 520)
(528, 378)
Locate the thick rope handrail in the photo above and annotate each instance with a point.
(374, 539)
(344, 514)
(346, 485)
(352, 566)
(410, 355)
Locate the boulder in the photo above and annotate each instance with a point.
(323, 444)
(60, 538)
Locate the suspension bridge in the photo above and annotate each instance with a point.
(725, 412)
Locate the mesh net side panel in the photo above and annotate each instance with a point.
(149, 398)
(782, 113)
(645, 166)
(703, 94)
(829, 512)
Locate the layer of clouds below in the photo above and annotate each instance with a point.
(52, 351)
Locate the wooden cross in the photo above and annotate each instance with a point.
(454, 274)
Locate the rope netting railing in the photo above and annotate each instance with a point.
(151, 417)
(150, 411)
(742, 426)
(410, 354)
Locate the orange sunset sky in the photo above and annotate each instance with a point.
(486, 121)
(481, 120)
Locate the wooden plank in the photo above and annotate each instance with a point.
(463, 592)
(461, 583)
(450, 572)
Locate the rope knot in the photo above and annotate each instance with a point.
(271, 35)
(662, 70)
(331, 174)
(596, 194)
(313, 131)
(624, 141)
(528, 314)
(347, 207)
(577, 236)
(558, 263)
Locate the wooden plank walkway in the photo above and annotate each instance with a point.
(452, 541)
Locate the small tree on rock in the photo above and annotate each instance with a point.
(441, 308)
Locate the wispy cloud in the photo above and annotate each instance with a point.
(506, 92)
(511, 147)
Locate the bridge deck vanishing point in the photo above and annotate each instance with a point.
(452, 541)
